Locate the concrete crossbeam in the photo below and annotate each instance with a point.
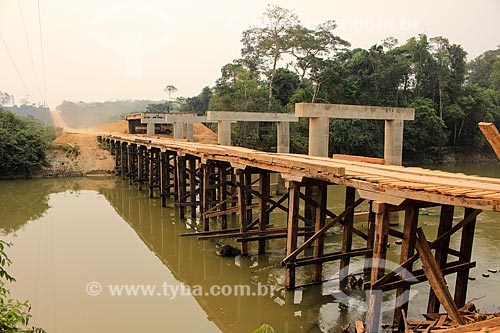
(341, 111)
(251, 116)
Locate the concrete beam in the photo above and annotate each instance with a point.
(178, 130)
(342, 111)
(251, 116)
(186, 118)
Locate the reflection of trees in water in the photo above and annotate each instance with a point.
(22, 201)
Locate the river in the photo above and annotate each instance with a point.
(76, 240)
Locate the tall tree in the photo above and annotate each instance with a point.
(270, 42)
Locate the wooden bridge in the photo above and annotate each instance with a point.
(214, 181)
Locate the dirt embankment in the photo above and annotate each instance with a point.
(76, 150)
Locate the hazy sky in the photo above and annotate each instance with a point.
(99, 50)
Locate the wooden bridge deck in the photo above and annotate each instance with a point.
(390, 182)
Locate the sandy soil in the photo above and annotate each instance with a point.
(91, 159)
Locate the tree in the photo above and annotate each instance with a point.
(198, 104)
(484, 67)
(266, 45)
(23, 145)
(426, 133)
(169, 89)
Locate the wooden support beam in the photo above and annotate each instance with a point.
(140, 166)
(265, 191)
(206, 195)
(242, 204)
(223, 193)
(181, 181)
(381, 234)
(468, 219)
(319, 233)
(407, 250)
(350, 197)
(419, 275)
(293, 225)
(192, 184)
(436, 279)
(328, 257)
(445, 223)
(492, 135)
(164, 178)
(465, 256)
(319, 223)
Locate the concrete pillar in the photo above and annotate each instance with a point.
(178, 130)
(393, 142)
(131, 126)
(189, 132)
(283, 135)
(224, 132)
(150, 130)
(318, 136)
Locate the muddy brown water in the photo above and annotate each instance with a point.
(70, 234)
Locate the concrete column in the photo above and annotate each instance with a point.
(283, 135)
(393, 142)
(178, 130)
(224, 132)
(189, 132)
(318, 136)
(150, 130)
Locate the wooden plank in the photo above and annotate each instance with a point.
(355, 158)
(466, 242)
(492, 135)
(350, 197)
(472, 327)
(436, 279)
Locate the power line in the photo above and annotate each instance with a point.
(15, 65)
(29, 49)
(41, 48)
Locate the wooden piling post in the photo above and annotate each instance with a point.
(181, 181)
(292, 229)
(124, 158)
(242, 205)
(164, 183)
(265, 192)
(140, 167)
(192, 185)
(465, 256)
(407, 250)
(350, 198)
(223, 193)
(320, 216)
(380, 241)
(206, 194)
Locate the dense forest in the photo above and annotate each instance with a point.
(283, 62)
(23, 145)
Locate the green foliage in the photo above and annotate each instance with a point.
(198, 104)
(426, 133)
(14, 315)
(430, 74)
(23, 144)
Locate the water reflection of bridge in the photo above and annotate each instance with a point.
(195, 263)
